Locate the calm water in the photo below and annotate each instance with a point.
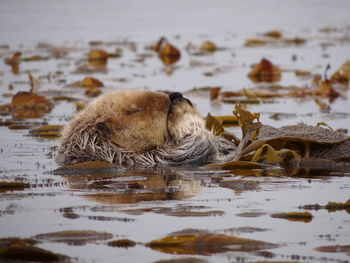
(145, 204)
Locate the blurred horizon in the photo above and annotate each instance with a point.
(58, 21)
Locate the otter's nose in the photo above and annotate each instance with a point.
(175, 95)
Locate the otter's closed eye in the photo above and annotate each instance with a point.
(103, 128)
(132, 109)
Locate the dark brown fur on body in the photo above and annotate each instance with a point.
(141, 128)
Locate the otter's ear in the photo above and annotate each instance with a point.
(104, 128)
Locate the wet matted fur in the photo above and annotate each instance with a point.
(141, 128)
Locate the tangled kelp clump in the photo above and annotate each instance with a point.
(292, 144)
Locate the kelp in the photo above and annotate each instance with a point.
(265, 71)
(330, 206)
(167, 53)
(305, 217)
(123, 243)
(263, 145)
(206, 244)
(27, 105)
(342, 75)
(47, 131)
(15, 249)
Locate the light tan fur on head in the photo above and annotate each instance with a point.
(139, 127)
(184, 119)
(132, 120)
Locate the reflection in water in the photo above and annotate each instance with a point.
(135, 185)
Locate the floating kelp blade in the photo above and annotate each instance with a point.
(305, 217)
(267, 154)
(265, 71)
(47, 131)
(206, 244)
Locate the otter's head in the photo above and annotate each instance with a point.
(183, 117)
(132, 120)
(142, 120)
(138, 122)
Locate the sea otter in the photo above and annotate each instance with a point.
(141, 128)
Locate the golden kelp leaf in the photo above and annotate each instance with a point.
(330, 206)
(25, 99)
(325, 89)
(227, 120)
(93, 92)
(295, 216)
(317, 78)
(88, 82)
(242, 101)
(64, 98)
(256, 42)
(324, 107)
(29, 105)
(328, 29)
(265, 71)
(14, 59)
(97, 54)
(98, 58)
(214, 93)
(250, 125)
(302, 73)
(78, 237)
(168, 53)
(79, 106)
(320, 124)
(247, 120)
(14, 62)
(34, 58)
(267, 154)
(295, 40)
(333, 206)
(47, 131)
(334, 249)
(273, 34)
(125, 243)
(23, 250)
(116, 54)
(13, 186)
(231, 93)
(260, 94)
(34, 83)
(213, 125)
(208, 47)
(342, 75)
(206, 244)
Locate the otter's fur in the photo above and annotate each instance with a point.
(141, 128)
